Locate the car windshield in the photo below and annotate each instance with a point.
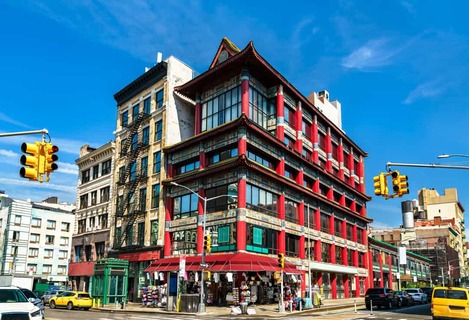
(12, 296)
(375, 291)
(83, 295)
(412, 290)
(28, 294)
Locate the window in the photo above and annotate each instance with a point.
(47, 269)
(135, 110)
(349, 231)
(122, 175)
(221, 203)
(143, 199)
(325, 248)
(325, 219)
(33, 252)
(64, 241)
(16, 236)
(260, 159)
(81, 226)
(106, 167)
(48, 253)
(94, 197)
(124, 119)
(157, 162)
(61, 270)
(146, 105)
(222, 155)
(146, 136)
(99, 246)
(144, 167)
(51, 224)
(32, 267)
(17, 220)
(102, 221)
(134, 144)
(141, 233)
(104, 194)
(78, 253)
(306, 129)
(133, 171)
(224, 235)
(338, 227)
(36, 223)
(261, 200)
(65, 226)
(95, 171)
(260, 108)
(159, 99)
(49, 239)
(155, 196)
(14, 251)
(154, 233)
(34, 238)
(63, 255)
(221, 109)
(185, 206)
(158, 130)
(291, 211)
(183, 168)
(120, 204)
(289, 116)
(129, 237)
(84, 201)
(85, 176)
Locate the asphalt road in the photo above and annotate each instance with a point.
(417, 312)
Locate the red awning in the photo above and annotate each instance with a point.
(81, 268)
(224, 263)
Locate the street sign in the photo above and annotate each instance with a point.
(204, 265)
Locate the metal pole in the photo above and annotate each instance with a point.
(202, 304)
(430, 165)
(281, 307)
(20, 133)
(443, 276)
(309, 257)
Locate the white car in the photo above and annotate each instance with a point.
(15, 305)
(417, 294)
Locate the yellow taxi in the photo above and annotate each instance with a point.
(450, 303)
(71, 300)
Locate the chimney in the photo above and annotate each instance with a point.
(437, 221)
(159, 57)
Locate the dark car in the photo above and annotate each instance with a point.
(382, 297)
(406, 299)
(428, 291)
(34, 300)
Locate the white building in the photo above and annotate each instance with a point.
(35, 239)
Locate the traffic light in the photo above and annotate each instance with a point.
(50, 158)
(395, 181)
(207, 243)
(403, 185)
(33, 161)
(281, 260)
(380, 185)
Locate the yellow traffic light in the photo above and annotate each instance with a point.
(50, 158)
(207, 243)
(380, 185)
(281, 260)
(395, 181)
(403, 185)
(32, 161)
(207, 275)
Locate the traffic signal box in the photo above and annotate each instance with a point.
(380, 185)
(281, 260)
(207, 243)
(400, 184)
(39, 160)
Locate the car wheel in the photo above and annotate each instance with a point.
(52, 304)
(86, 309)
(69, 306)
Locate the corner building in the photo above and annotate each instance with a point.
(298, 178)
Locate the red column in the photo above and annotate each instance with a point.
(281, 216)
(351, 166)
(301, 222)
(200, 228)
(241, 229)
(334, 285)
(198, 115)
(381, 274)
(317, 250)
(363, 211)
(342, 200)
(167, 235)
(299, 128)
(361, 175)
(202, 160)
(280, 114)
(315, 139)
(330, 193)
(340, 159)
(300, 178)
(245, 92)
(353, 206)
(281, 167)
(390, 270)
(329, 150)
(242, 145)
(357, 287)
(169, 171)
(346, 284)
(344, 229)
(316, 185)
(331, 225)
(317, 217)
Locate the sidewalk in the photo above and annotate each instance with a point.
(269, 310)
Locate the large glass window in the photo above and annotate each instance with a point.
(158, 130)
(261, 200)
(261, 159)
(291, 211)
(289, 115)
(325, 250)
(222, 203)
(157, 162)
(186, 167)
(222, 155)
(135, 112)
(155, 196)
(261, 240)
(325, 219)
(144, 166)
(185, 206)
(185, 242)
(221, 109)
(134, 144)
(106, 167)
(146, 136)
(306, 129)
(146, 105)
(143, 199)
(292, 245)
(133, 171)
(125, 119)
(159, 99)
(260, 108)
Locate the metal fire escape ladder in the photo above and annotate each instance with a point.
(131, 206)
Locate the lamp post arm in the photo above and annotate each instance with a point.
(188, 189)
(429, 165)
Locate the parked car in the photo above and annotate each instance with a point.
(382, 297)
(428, 291)
(49, 294)
(34, 300)
(71, 300)
(406, 299)
(417, 294)
(450, 303)
(14, 303)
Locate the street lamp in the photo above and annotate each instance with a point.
(203, 265)
(441, 156)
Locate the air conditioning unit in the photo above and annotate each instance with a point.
(88, 229)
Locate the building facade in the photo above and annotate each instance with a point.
(298, 181)
(36, 239)
(92, 219)
(150, 116)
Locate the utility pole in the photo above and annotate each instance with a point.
(443, 276)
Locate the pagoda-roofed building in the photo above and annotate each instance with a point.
(298, 183)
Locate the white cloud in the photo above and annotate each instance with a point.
(426, 90)
(9, 153)
(5, 118)
(380, 225)
(68, 168)
(371, 55)
(36, 185)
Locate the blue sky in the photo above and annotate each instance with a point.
(399, 68)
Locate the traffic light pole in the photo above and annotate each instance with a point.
(21, 133)
(430, 165)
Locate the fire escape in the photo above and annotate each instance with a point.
(130, 208)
